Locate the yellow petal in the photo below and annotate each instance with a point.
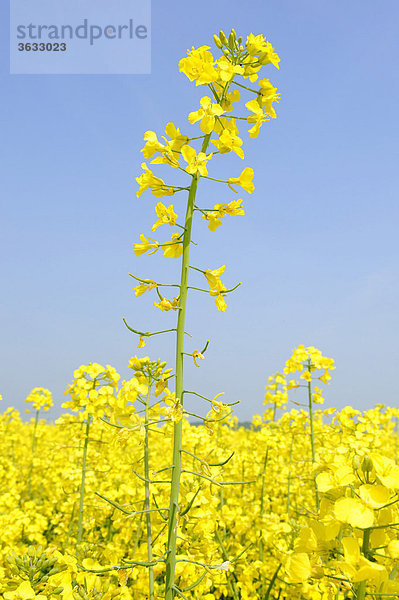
(298, 568)
(354, 512)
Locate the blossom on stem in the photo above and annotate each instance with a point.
(155, 184)
(165, 215)
(198, 65)
(174, 248)
(258, 118)
(196, 163)
(145, 286)
(166, 304)
(220, 210)
(244, 180)
(207, 114)
(145, 245)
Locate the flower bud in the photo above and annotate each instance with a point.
(356, 463)
(217, 41)
(232, 40)
(222, 38)
(367, 464)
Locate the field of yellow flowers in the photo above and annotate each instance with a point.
(302, 505)
(122, 497)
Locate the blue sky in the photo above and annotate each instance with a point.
(316, 252)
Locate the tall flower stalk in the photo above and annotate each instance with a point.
(218, 127)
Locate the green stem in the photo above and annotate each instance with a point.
(147, 497)
(82, 483)
(178, 430)
(361, 589)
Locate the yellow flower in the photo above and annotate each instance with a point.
(298, 567)
(196, 163)
(174, 248)
(141, 343)
(386, 470)
(317, 397)
(152, 145)
(146, 286)
(229, 142)
(255, 44)
(227, 70)
(268, 95)
(306, 375)
(40, 398)
(165, 215)
(207, 113)
(145, 245)
(244, 180)
(231, 97)
(374, 496)
(199, 65)
(219, 300)
(354, 512)
(166, 304)
(268, 56)
(257, 118)
(177, 139)
(155, 184)
(220, 210)
(24, 592)
(213, 278)
(357, 567)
